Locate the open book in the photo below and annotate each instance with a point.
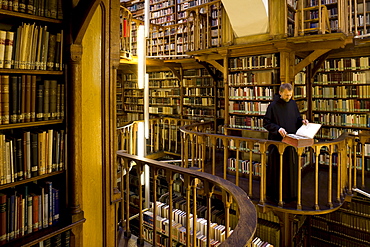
(304, 135)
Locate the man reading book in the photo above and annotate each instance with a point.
(282, 117)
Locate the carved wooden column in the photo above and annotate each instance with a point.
(74, 145)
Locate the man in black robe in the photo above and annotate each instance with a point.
(282, 117)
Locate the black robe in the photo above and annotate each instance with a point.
(281, 114)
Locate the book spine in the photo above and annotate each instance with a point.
(5, 98)
(46, 100)
(22, 6)
(33, 98)
(3, 206)
(2, 47)
(53, 99)
(16, 5)
(27, 111)
(34, 154)
(8, 49)
(60, 10)
(53, 7)
(30, 7)
(23, 99)
(19, 158)
(14, 99)
(39, 101)
(50, 65)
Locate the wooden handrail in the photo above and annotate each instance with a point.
(246, 213)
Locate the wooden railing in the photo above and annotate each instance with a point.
(334, 165)
(164, 136)
(194, 185)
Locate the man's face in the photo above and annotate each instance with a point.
(286, 95)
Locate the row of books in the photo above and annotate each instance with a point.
(26, 98)
(164, 83)
(362, 91)
(47, 8)
(343, 77)
(244, 166)
(199, 101)
(300, 78)
(165, 101)
(137, 101)
(134, 93)
(342, 105)
(198, 112)
(247, 107)
(341, 64)
(28, 209)
(139, 108)
(254, 62)
(243, 146)
(251, 93)
(358, 206)
(257, 242)
(205, 91)
(300, 91)
(59, 240)
(334, 232)
(197, 82)
(31, 47)
(30, 154)
(250, 78)
(269, 232)
(348, 120)
(178, 229)
(162, 110)
(175, 92)
(347, 219)
(331, 133)
(246, 122)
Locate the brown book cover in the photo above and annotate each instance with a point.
(53, 7)
(5, 98)
(50, 65)
(298, 141)
(304, 135)
(33, 98)
(27, 107)
(46, 100)
(41, 152)
(53, 99)
(23, 99)
(35, 212)
(8, 53)
(2, 47)
(2, 218)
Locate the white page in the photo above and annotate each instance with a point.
(308, 130)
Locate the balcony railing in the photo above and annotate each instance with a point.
(240, 217)
(327, 171)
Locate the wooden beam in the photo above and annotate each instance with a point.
(173, 67)
(309, 59)
(318, 64)
(217, 65)
(206, 66)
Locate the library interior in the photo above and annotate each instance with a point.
(171, 123)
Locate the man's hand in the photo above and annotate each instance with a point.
(282, 132)
(305, 121)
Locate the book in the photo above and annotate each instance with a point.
(13, 99)
(304, 135)
(27, 107)
(5, 98)
(33, 98)
(53, 99)
(46, 99)
(2, 47)
(8, 54)
(23, 99)
(3, 218)
(50, 61)
(22, 6)
(39, 101)
(34, 154)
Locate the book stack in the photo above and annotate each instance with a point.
(31, 153)
(26, 98)
(257, 242)
(47, 8)
(26, 209)
(31, 47)
(178, 226)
